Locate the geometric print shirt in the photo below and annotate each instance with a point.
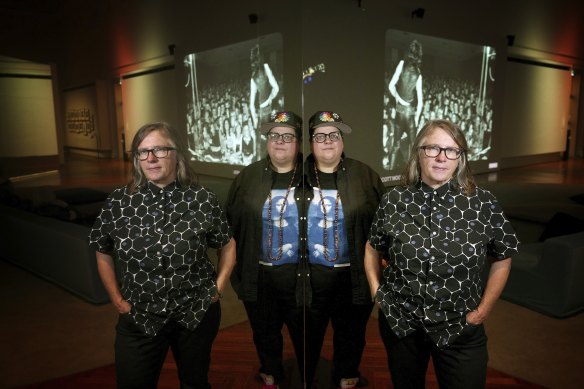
(437, 242)
(159, 240)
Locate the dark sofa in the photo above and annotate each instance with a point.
(51, 248)
(547, 275)
(44, 230)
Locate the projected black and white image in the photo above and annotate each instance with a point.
(230, 91)
(432, 78)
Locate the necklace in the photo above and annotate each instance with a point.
(335, 224)
(270, 226)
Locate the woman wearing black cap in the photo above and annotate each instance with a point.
(262, 209)
(342, 195)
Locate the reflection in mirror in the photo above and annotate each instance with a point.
(342, 195)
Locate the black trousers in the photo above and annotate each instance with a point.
(139, 357)
(275, 306)
(332, 301)
(462, 365)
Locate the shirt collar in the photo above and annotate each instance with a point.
(156, 190)
(440, 191)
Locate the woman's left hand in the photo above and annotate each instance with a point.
(475, 317)
(217, 297)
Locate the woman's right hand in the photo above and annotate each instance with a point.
(123, 306)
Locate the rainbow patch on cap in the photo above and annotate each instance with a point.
(282, 117)
(326, 117)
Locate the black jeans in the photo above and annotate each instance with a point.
(332, 301)
(462, 365)
(275, 306)
(139, 357)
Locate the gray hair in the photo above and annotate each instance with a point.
(463, 175)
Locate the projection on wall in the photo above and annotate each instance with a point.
(431, 78)
(230, 91)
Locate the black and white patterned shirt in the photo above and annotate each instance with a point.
(159, 240)
(438, 241)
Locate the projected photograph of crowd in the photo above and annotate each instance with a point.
(230, 91)
(429, 78)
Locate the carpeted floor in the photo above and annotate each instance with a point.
(234, 366)
(47, 333)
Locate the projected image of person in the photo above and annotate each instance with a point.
(437, 231)
(458, 85)
(405, 87)
(345, 193)
(224, 92)
(262, 208)
(151, 240)
(263, 88)
(248, 141)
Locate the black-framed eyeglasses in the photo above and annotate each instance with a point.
(449, 152)
(333, 136)
(158, 152)
(286, 138)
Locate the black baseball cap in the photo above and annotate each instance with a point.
(327, 118)
(283, 119)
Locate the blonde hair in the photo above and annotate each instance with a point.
(185, 175)
(463, 175)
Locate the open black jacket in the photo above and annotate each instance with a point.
(244, 206)
(360, 190)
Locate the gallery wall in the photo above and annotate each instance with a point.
(27, 110)
(345, 43)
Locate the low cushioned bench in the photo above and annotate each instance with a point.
(54, 249)
(548, 277)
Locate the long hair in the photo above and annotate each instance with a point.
(185, 174)
(414, 54)
(462, 176)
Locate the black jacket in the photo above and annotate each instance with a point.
(360, 190)
(245, 202)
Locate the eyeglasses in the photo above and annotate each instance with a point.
(158, 152)
(333, 136)
(286, 138)
(449, 152)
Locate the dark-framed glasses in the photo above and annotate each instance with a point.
(286, 138)
(158, 152)
(333, 136)
(449, 152)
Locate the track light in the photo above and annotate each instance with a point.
(510, 40)
(418, 13)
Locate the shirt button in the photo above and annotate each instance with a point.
(160, 206)
(433, 232)
(434, 208)
(159, 229)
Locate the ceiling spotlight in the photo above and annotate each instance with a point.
(510, 40)
(418, 13)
